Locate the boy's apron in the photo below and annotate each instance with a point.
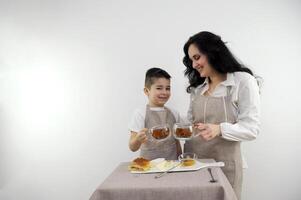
(152, 149)
(215, 110)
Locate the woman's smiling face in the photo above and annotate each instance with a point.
(199, 61)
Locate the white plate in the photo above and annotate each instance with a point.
(198, 165)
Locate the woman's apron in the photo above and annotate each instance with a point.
(215, 110)
(153, 149)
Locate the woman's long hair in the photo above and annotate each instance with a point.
(218, 56)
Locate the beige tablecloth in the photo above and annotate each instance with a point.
(194, 185)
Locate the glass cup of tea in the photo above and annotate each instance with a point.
(160, 132)
(187, 159)
(183, 131)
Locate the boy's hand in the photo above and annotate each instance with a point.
(141, 136)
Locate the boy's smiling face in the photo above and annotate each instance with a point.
(159, 92)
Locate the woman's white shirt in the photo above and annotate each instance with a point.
(138, 119)
(245, 98)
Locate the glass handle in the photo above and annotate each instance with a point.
(149, 135)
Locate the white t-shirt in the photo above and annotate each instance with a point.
(138, 119)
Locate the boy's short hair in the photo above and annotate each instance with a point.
(154, 73)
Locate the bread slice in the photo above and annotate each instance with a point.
(140, 164)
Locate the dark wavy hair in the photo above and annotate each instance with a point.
(218, 56)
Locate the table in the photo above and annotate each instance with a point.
(193, 185)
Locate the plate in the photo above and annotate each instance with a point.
(161, 165)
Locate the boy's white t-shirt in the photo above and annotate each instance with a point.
(138, 119)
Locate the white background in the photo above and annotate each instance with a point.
(72, 72)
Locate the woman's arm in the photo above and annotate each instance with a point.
(247, 126)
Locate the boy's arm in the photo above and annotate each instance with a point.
(137, 139)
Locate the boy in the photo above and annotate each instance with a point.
(157, 89)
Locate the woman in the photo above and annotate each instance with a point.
(224, 103)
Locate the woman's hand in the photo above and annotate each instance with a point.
(208, 131)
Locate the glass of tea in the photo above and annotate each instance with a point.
(183, 131)
(187, 159)
(160, 133)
